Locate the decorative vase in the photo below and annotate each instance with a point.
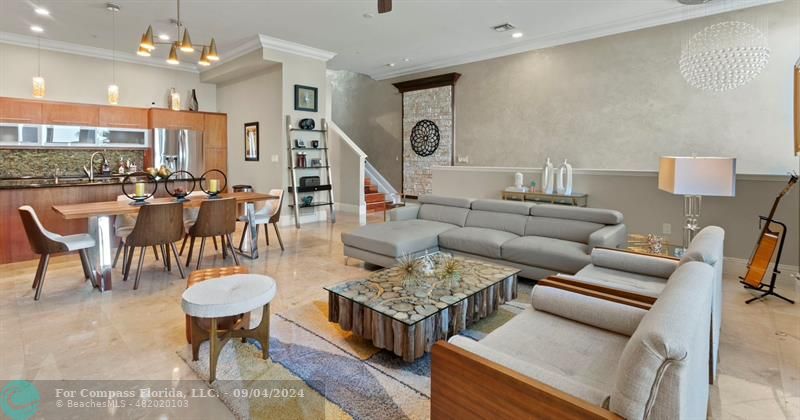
(193, 105)
(518, 180)
(564, 186)
(547, 177)
(174, 100)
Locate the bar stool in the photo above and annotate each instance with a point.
(216, 218)
(269, 214)
(44, 243)
(158, 225)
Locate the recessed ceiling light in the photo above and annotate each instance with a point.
(42, 11)
(163, 37)
(390, 65)
(368, 15)
(516, 35)
(505, 27)
(406, 60)
(37, 29)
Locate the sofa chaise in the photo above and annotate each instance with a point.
(648, 275)
(585, 353)
(538, 239)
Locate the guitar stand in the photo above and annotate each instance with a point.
(770, 288)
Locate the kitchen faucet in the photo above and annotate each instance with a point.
(90, 172)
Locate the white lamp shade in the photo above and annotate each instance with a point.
(706, 176)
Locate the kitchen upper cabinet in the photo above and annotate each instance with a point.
(164, 118)
(215, 159)
(70, 114)
(215, 134)
(122, 117)
(20, 111)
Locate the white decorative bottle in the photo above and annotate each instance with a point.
(547, 177)
(564, 171)
(518, 180)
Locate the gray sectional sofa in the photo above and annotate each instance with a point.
(539, 239)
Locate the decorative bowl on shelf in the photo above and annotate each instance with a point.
(307, 200)
(210, 185)
(144, 187)
(183, 184)
(306, 124)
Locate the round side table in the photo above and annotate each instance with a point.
(225, 297)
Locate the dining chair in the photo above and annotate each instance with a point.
(190, 216)
(216, 218)
(123, 226)
(270, 214)
(45, 243)
(157, 226)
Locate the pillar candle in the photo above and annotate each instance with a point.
(139, 190)
(213, 185)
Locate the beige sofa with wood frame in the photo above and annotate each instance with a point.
(585, 351)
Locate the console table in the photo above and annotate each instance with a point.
(574, 199)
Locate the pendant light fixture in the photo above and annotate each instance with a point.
(38, 81)
(208, 52)
(113, 89)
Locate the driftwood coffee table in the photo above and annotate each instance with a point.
(408, 321)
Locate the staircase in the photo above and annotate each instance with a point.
(376, 201)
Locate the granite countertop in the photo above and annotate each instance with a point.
(66, 181)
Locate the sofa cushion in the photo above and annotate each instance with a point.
(445, 214)
(513, 223)
(568, 230)
(503, 206)
(573, 350)
(396, 239)
(478, 241)
(555, 254)
(446, 201)
(631, 262)
(611, 316)
(621, 280)
(586, 214)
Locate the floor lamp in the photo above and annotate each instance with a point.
(695, 177)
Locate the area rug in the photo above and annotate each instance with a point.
(342, 375)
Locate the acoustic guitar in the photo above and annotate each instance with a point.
(766, 244)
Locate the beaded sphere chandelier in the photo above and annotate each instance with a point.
(724, 56)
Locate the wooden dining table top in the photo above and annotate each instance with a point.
(110, 208)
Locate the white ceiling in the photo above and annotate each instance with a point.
(429, 33)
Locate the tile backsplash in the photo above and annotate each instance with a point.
(44, 162)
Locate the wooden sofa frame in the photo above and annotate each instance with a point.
(465, 385)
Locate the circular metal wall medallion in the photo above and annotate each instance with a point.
(425, 138)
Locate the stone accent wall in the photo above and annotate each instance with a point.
(43, 162)
(430, 104)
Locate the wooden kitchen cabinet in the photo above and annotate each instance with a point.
(215, 134)
(20, 111)
(215, 159)
(70, 114)
(122, 117)
(164, 118)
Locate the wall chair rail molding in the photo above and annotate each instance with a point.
(428, 129)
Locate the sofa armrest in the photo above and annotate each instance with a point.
(634, 262)
(610, 236)
(407, 212)
(460, 376)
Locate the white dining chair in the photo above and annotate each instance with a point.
(269, 214)
(44, 243)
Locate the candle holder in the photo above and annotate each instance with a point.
(213, 194)
(139, 198)
(180, 192)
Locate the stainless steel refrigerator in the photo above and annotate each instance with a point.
(178, 150)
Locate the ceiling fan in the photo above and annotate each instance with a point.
(384, 6)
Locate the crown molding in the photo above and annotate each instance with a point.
(676, 14)
(295, 48)
(86, 51)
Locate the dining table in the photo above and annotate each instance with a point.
(100, 226)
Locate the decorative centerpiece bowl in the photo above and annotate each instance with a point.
(140, 181)
(210, 185)
(183, 184)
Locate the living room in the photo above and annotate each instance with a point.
(479, 209)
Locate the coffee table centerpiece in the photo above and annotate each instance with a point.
(407, 308)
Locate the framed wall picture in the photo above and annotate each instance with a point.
(305, 98)
(251, 143)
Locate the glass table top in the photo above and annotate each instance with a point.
(391, 293)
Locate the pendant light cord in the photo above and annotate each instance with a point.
(39, 56)
(114, 47)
